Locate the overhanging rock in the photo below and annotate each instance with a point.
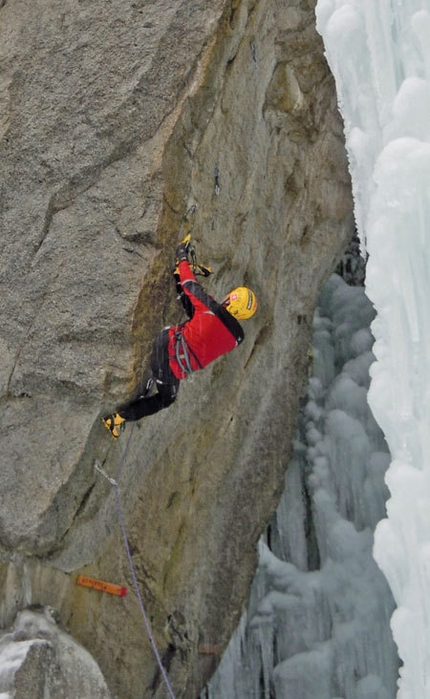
(118, 117)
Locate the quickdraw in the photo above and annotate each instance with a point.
(182, 354)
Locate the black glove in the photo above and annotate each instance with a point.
(181, 253)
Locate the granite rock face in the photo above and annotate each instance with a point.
(116, 119)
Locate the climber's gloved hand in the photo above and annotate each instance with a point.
(181, 253)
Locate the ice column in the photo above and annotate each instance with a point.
(379, 53)
(317, 626)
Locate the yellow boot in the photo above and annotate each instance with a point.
(115, 424)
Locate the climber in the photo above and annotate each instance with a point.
(212, 329)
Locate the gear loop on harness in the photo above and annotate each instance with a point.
(182, 354)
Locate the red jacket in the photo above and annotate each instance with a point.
(211, 332)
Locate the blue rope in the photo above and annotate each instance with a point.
(132, 568)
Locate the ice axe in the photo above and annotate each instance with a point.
(198, 268)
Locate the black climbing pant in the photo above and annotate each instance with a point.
(165, 381)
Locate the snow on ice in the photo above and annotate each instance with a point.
(52, 658)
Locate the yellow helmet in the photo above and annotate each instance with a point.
(241, 303)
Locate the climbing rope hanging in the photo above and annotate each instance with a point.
(183, 359)
(114, 484)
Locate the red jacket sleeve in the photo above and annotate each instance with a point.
(186, 276)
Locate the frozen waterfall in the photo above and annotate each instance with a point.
(317, 626)
(379, 53)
